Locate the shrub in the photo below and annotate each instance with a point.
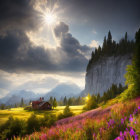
(48, 120)
(66, 113)
(12, 127)
(32, 124)
(90, 103)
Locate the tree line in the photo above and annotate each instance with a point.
(18, 104)
(71, 101)
(93, 100)
(133, 72)
(111, 48)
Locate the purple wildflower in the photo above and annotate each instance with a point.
(126, 129)
(122, 121)
(132, 132)
(125, 133)
(131, 119)
(121, 134)
(135, 112)
(136, 137)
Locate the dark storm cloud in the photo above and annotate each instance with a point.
(18, 54)
(17, 14)
(103, 10)
(118, 16)
(61, 29)
(75, 52)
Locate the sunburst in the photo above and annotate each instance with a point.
(50, 18)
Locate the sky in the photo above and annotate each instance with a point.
(44, 43)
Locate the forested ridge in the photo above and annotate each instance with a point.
(111, 48)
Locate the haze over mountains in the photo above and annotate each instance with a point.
(60, 91)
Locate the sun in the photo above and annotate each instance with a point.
(50, 18)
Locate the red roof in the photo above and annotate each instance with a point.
(36, 102)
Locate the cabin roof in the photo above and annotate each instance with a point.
(40, 103)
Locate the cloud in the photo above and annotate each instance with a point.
(61, 29)
(103, 15)
(19, 54)
(94, 43)
(43, 85)
(76, 53)
(3, 92)
(19, 15)
(36, 82)
(4, 83)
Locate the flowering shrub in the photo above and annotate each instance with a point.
(118, 122)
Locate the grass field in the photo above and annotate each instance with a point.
(24, 114)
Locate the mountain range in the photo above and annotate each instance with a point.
(60, 91)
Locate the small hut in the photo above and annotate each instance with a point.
(41, 104)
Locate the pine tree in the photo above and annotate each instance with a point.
(126, 37)
(51, 100)
(69, 101)
(109, 39)
(109, 44)
(54, 104)
(136, 63)
(22, 102)
(98, 98)
(133, 71)
(67, 112)
(104, 42)
(65, 101)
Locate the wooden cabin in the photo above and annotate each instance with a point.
(41, 104)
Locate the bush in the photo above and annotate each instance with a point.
(16, 127)
(13, 127)
(48, 120)
(91, 102)
(66, 113)
(32, 124)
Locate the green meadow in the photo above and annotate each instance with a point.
(24, 114)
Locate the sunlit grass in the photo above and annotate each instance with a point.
(24, 114)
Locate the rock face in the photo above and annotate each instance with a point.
(105, 72)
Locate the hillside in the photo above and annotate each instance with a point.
(117, 122)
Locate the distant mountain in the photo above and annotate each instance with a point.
(62, 90)
(15, 97)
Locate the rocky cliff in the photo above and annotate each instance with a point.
(105, 72)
